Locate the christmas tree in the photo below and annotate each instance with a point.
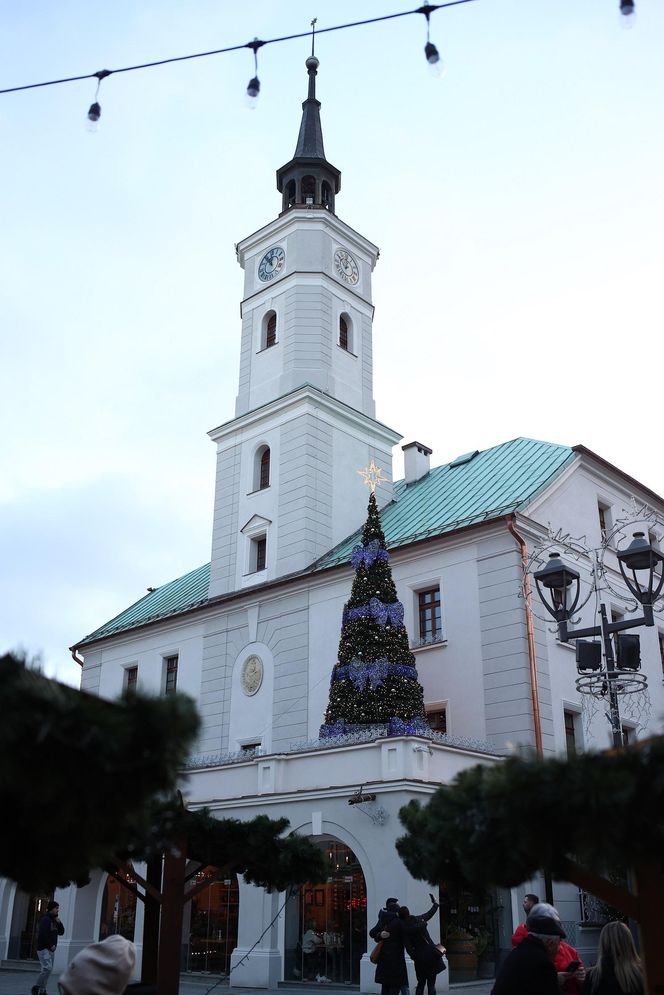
(375, 681)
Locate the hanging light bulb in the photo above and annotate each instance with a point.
(436, 64)
(254, 87)
(94, 113)
(93, 116)
(627, 13)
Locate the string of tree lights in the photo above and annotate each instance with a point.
(431, 53)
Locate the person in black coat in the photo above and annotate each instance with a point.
(50, 928)
(426, 955)
(528, 969)
(391, 971)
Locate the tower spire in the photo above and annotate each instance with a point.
(309, 180)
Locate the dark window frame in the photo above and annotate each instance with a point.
(438, 724)
(343, 333)
(429, 615)
(259, 553)
(264, 470)
(271, 330)
(569, 724)
(131, 678)
(171, 664)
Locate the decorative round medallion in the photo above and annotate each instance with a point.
(252, 674)
(271, 264)
(346, 266)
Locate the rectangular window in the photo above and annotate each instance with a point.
(570, 732)
(437, 719)
(430, 628)
(627, 735)
(259, 553)
(604, 515)
(250, 747)
(171, 674)
(130, 678)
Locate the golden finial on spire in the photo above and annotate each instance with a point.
(373, 476)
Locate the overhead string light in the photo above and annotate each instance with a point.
(254, 85)
(628, 13)
(436, 64)
(94, 112)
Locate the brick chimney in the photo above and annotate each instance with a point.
(416, 461)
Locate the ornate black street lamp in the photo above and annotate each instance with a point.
(558, 586)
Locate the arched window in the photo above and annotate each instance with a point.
(326, 195)
(308, 189)
(269, 329)
(345, 333)
(289, 194)
(264, 469)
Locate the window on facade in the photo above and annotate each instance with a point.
(603, 513)
(264, 470)
(271, 330)
(171, 674)
(326, 195)
(343, 333)
(430, 628)
(570, 732)
(250, 747)
(627, 735)
(130, 678)
(437, 719)
(259, 553)
(289, 194)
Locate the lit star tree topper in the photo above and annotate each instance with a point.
(374, 683)
(373, 476)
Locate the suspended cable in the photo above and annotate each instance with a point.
(255, 44)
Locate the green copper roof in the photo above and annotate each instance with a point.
(177, 596)
(473, 488)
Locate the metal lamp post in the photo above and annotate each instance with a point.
(558, 587)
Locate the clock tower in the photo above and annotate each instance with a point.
(287, 486)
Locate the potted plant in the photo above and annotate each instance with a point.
(461, 953)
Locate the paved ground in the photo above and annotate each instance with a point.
(20, 982)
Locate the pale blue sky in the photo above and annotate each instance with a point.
(517, 203)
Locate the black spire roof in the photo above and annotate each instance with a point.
(309, 180)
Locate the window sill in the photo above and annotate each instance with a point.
(347, 351)
(256, 573)
(266, 348)
(259, 490)
(430, 645)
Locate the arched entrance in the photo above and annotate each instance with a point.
(326, 925)
(118, 910)
(210, 932)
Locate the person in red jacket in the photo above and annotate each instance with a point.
(520, 933)
(570, 981)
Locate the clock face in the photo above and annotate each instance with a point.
(271, 264)
(346, 267)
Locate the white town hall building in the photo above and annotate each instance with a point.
(252, 636)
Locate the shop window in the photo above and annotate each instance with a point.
(212, 931)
